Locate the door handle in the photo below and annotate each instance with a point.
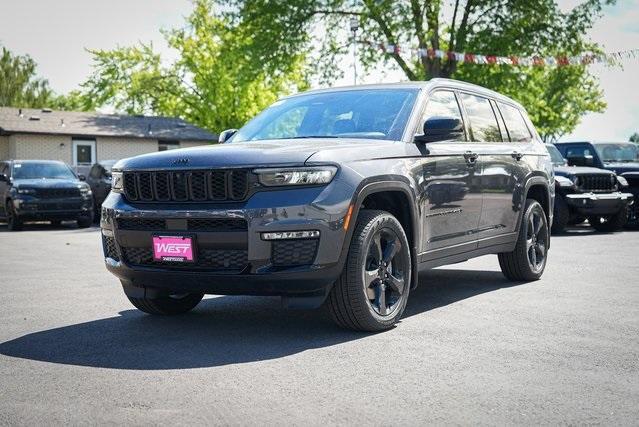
(517, 155)
(470, 157)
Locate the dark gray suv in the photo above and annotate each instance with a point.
(337, 196)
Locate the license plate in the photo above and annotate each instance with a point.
(178, 249)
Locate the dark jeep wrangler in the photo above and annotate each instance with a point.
(588, 193)
(339, 196)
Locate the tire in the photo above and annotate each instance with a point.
(13, 222)
(609, 223)
(561, 216)
(85, 222)
(518, 264)
(379, 255)
(167, 305)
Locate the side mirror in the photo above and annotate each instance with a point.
(4, 178)
(226, 135)
(587, 160)
(82, 177)
(439, 128)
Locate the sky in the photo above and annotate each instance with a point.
(56, 35)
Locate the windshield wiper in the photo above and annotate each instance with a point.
(314, 136)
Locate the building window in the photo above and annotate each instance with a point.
(168, 145)
(83, 152)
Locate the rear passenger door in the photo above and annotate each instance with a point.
(502, 177)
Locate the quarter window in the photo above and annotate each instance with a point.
(442, 103)
(515, 123)
(482, 119)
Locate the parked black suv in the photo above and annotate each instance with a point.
(339, 195)
(42, 190)
(588, 193)
(620, 157)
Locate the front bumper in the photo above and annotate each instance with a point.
(32, 209)
(598, 204)
(231, 261)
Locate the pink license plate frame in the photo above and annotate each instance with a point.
(175, 249)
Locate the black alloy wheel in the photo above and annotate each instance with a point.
(536, 240)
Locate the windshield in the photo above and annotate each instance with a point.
(42, 170)
(372, 113)
(618, 152)
(555, 156)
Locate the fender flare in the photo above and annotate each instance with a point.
(396, 183)
(536, 180)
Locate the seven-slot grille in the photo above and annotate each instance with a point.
(56, 193)
(186, 186)
(599, 182)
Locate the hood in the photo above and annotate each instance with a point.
(620, 168)
(47, 183)
(579, 170)
(258, 153)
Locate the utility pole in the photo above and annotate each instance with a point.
(354, 23)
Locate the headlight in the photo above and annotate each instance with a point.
(296, 176)
(622, 181)
(117, 182)
(30, 191)
(85, 191)
(564, 182)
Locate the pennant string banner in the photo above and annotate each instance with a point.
(526, 61)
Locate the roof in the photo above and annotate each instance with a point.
(420, 84)
(45, 121)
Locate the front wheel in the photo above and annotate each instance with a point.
(371, 293)
(13, 221)
(528, 261)
(167, 305)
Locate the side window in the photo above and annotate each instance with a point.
(515, 123)
(442, 103)
(482, 119)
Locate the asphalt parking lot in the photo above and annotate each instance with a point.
(472, 347)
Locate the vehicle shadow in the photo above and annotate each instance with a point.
(223, 330)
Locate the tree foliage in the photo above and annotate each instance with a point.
(19, 84)
(555, 97)
(218, 80)
(634, 138)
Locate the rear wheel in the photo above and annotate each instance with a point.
(371, 293)
(13, 221)
(608, 223)
(167, 305)
(528, 260)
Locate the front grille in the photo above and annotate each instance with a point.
(57, 193)
(194, 224)
(293, 252)
(110, 250)
(598, 183)
(209, 259)
(186, 186)
(64, 206)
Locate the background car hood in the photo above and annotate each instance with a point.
(46, 183)
(621, 168)
(579, 170)
(259, 153)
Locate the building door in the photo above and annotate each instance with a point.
(83, 152)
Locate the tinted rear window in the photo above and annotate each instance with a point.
(482, 118)
(515, 123)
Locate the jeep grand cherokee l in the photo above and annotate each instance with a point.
(337, 196)
(43, 190)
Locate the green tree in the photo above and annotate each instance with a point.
(217, 80)
(634, 138)
(19, 85)
(555, 97)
